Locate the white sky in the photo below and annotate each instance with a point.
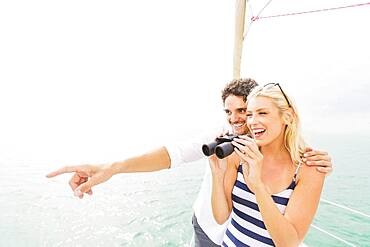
(85, 81)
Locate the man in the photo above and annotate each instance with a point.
(206, 231)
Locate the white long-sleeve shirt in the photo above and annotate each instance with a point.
(189, 152)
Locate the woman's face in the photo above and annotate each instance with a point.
(264, 121)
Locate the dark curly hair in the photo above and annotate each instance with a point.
(239, 87)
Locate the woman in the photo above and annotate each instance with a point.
(269, 197)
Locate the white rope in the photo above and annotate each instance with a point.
(259, 13)
(250, 21)
(332, 235)
(192, 241)
(344, 207)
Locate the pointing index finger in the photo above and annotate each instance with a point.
(66, 169)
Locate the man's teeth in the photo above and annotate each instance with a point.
(238, 125)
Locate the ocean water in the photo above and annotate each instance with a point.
(154, 209)
(348, 185)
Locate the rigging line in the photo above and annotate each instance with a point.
(344, 207)
(310, 11)
(259, 13)
(332, 235)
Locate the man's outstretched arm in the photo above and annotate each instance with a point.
(87, 176)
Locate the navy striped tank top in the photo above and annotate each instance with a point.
(246, 227)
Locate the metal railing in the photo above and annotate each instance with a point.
(354, 211)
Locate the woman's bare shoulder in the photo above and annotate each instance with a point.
(309, 174)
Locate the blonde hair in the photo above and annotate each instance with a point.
(293, 139)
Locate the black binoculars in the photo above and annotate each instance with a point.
(221, 146)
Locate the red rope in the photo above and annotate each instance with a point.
(255, 18)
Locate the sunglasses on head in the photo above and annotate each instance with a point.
(271, 84)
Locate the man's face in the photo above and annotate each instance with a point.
(236, 113)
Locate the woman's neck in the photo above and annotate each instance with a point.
(275, 151)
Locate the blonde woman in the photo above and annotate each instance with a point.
(264, 190)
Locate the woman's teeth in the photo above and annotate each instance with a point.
(258, 132)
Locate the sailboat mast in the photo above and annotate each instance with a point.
(240, 9)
